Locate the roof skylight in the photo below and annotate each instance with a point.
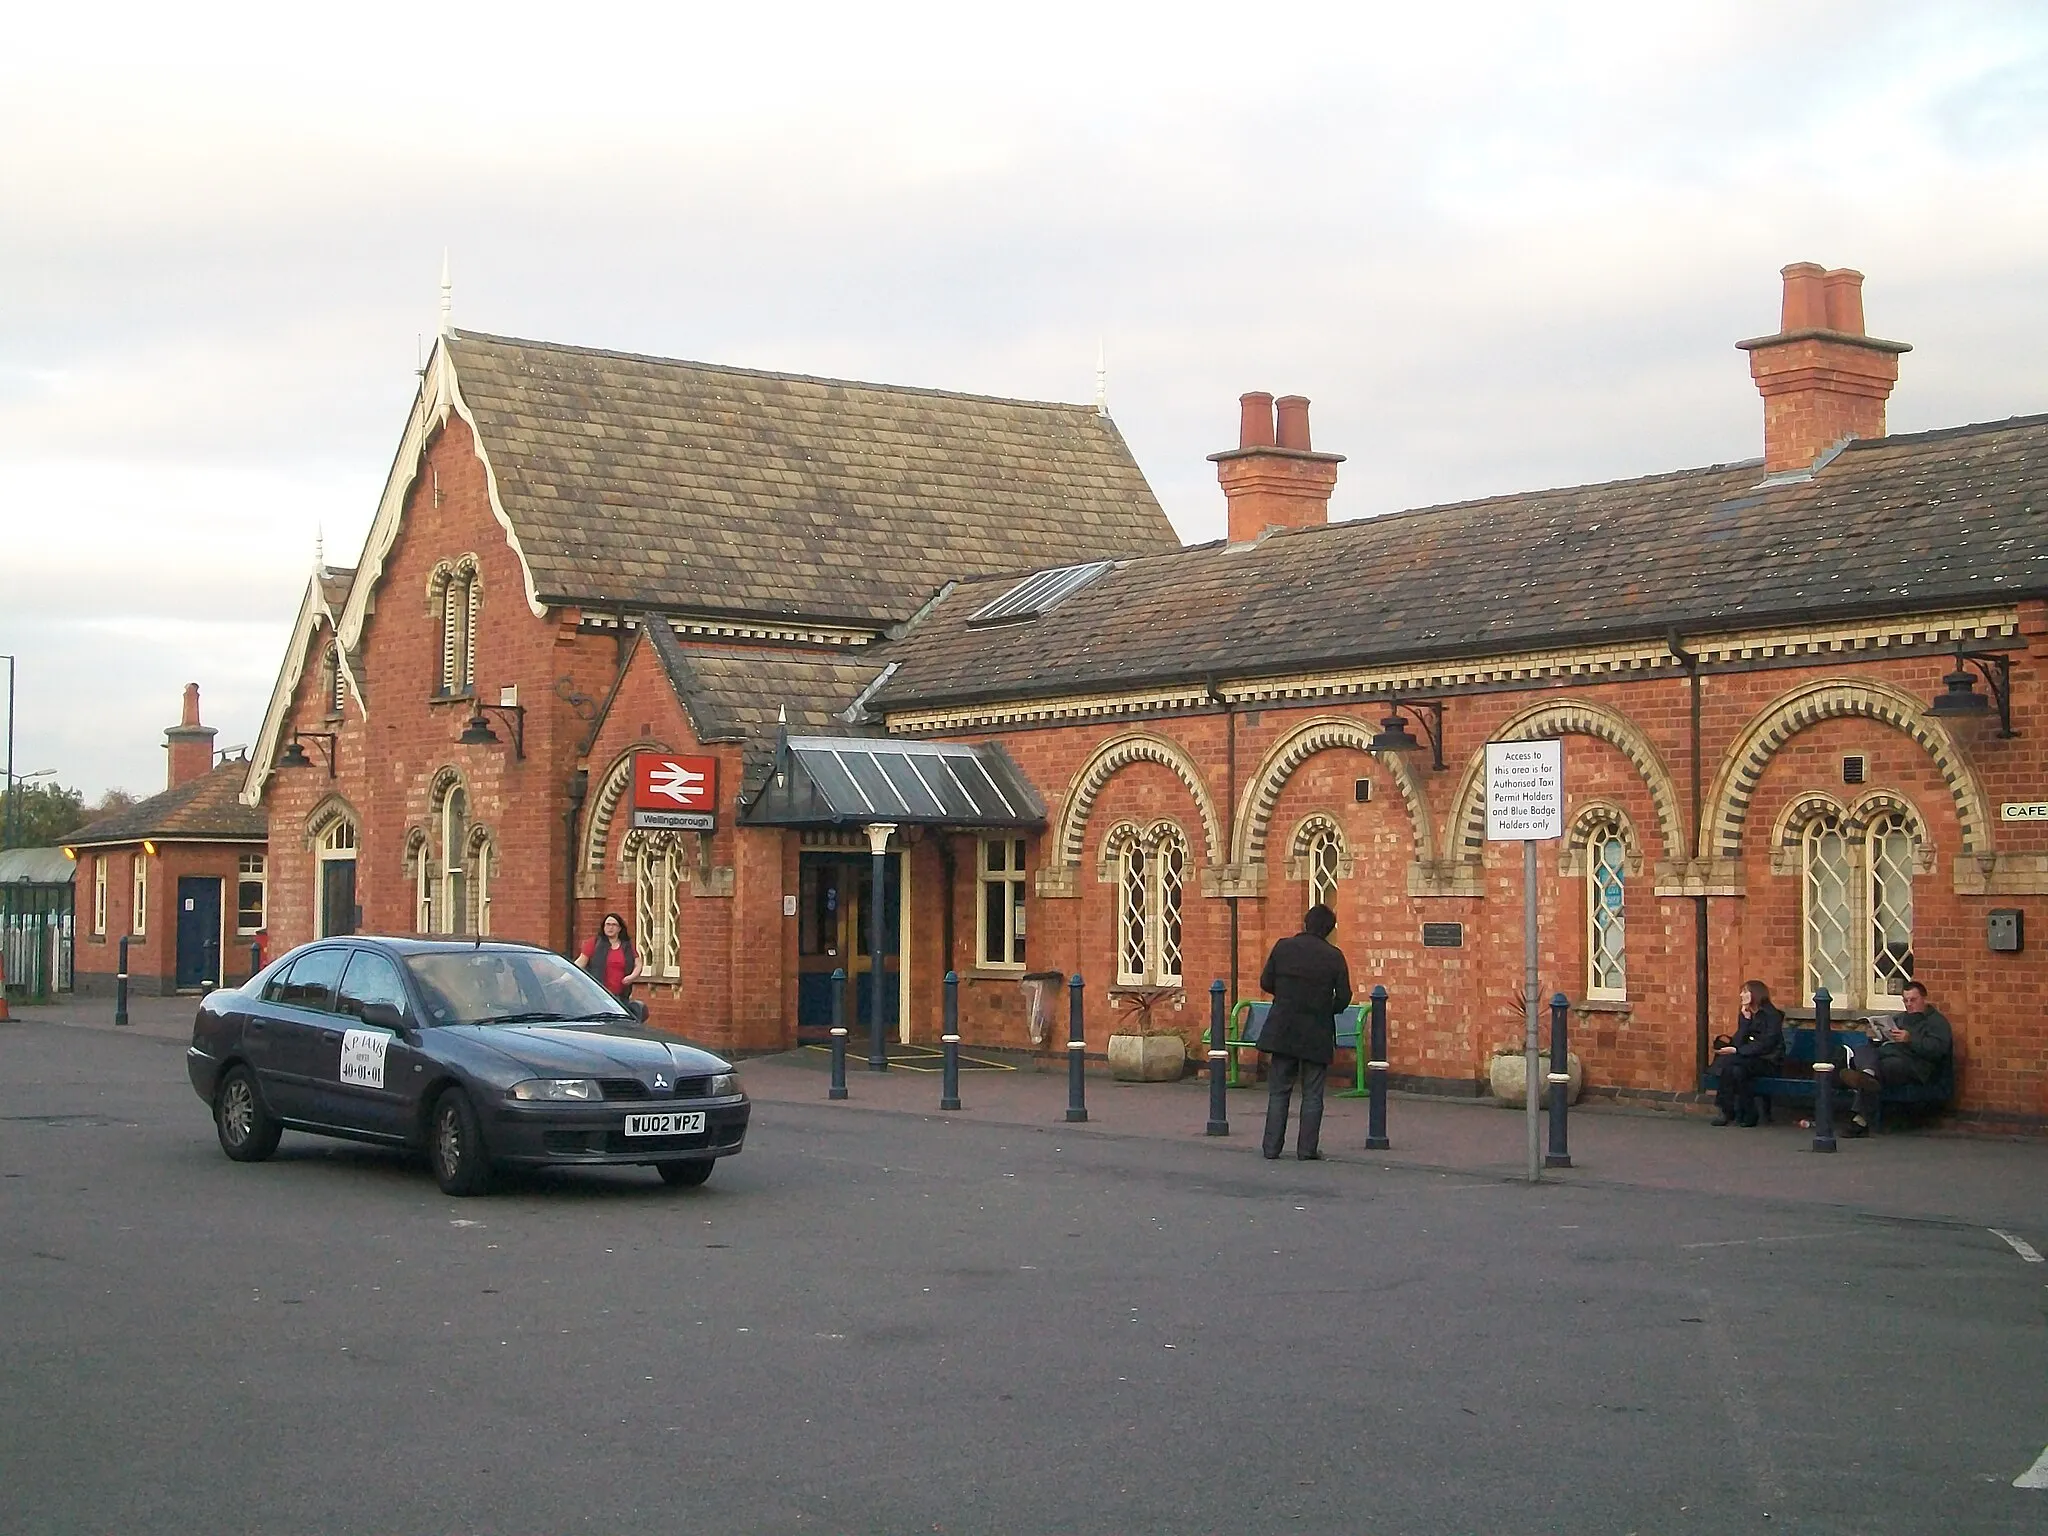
(1035, 594)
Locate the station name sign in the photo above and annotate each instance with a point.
(674, 793)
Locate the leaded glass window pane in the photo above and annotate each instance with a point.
(1607, 973)
(1891, 908)
(1172, 858)
(1828, 922)
(1133, 913)
(1324, 850)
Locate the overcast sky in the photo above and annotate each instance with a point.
(1500, 246)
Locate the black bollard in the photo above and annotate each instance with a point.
(1376, 1069)
(121, 984)
(1077, 1044)
(1219, 1062)
(1823, 1072)
(949, 1085)
(1560, 1083)
(255, 958)
(838, 1090)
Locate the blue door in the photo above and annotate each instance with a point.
(198, 932)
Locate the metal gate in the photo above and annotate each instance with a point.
(36, 938)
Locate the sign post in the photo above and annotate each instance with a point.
(1525, 804)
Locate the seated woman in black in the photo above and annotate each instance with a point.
(1753, 1051)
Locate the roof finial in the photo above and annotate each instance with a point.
(319, 550)
(447, 297)
(782, 714)
(1101, 379)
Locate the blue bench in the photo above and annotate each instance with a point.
(1794, 1078)
(1248, 1018)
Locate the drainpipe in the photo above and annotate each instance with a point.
(579, 791)
(1230, 807)
(1702, 996)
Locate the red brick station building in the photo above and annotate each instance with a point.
(677, 641)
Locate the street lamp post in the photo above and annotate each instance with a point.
(7, 819)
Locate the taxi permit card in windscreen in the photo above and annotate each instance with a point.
(362, 1057)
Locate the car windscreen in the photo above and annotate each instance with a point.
(487, 986)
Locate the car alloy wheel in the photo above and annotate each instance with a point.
(455, 1146)
(248, 1133)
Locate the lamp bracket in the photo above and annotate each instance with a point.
(514, 716)
(1429, 714)
(327, 740)
(1995, 667)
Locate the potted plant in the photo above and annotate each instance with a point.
(1140, 1050)
(1507, 1068)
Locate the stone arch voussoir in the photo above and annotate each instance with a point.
(1102, 765)
(1466, 831)
(1262, 793)
(1743, 768)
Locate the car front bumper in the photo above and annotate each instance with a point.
(529, 1135)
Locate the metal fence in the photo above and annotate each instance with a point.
(36, 938)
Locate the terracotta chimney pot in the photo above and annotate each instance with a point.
(1806, 305)
(1293, 424)
(1255, 420)
(1844, 294)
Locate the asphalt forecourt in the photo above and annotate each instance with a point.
(883, 1319)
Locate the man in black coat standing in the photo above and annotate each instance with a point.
(1310, 985)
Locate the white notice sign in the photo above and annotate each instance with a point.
(362, 1057)
(1524, 790)
(2024, 810)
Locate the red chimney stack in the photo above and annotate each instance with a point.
(190, 744)
(1273, 478)
(1821, 377)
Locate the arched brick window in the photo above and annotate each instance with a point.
(1606, 917)
(1828, 908)
(456, 593)
(655, 863)
(419, 865)
(481, 860)
(1151, 879)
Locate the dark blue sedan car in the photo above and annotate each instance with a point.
(480, 1054)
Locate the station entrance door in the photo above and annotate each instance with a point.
(834, 894)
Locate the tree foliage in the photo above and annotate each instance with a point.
(43, 815)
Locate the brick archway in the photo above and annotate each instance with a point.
(1743, 768)
(1102, 765)
(1262, 793)
(1465, 833)
(603, 810)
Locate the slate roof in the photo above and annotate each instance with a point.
(208, 808)
(1921, 523)
(644, 482)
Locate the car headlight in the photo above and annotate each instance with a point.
(725, 1084)
(580, 1089)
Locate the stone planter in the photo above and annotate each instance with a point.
(1147, 1058)
(1505, 1077)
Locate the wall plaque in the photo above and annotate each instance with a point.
(1443, 935)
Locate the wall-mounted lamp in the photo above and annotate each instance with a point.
(1959, 696)
(1394, 735)
(477, 732)
(294, 754)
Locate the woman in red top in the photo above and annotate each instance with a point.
(610, 958)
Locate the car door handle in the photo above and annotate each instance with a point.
(255, 1026)
(331, 1034)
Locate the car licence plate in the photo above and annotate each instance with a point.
(690, 1123)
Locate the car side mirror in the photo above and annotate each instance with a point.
(637, 1008)
(384, 1016)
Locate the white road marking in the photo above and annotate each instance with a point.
(2035, 1476)
(2020, 1246)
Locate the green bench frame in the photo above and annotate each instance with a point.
(1249, 1017)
